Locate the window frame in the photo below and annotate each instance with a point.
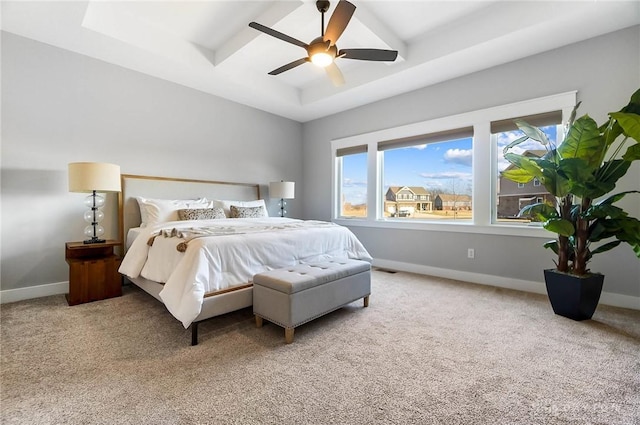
(484, 152)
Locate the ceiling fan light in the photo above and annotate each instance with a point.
(322, 59)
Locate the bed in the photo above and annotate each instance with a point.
(202, 266)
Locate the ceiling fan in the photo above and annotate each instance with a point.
(322, 51)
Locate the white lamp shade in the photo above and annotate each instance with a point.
(283, 190)
(90, 176)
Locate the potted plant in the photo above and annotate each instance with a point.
(581, 173)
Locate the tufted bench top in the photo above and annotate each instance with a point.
(300, 277)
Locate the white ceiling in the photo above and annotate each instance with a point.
(207, 45)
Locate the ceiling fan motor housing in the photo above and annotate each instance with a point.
(318, 45)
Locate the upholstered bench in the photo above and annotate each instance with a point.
(295, 295)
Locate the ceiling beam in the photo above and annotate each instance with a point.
(274, 14)
(381, 30)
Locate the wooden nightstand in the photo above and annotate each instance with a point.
(93, 271)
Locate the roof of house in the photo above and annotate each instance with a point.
(417, 190)
(446, 197)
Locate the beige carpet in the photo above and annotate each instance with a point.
(426, 351)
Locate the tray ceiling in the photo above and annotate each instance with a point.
(208, 46)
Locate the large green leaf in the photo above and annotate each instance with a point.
(610, 131)
(514, 143)
(632, 153)
(625, 229)
(603, 211)
(635, 100)
(606, 247)
(597, 231)
(532, 132)
(574, 112)
(560, 226)
(575, 169)
(551, 156)
(616, 197)
(606, 178)
(544, 163)
(584, 141)
(552, 245)
(517, 175)
(540, 211)
(556, 184)
(524, 162)
(629, 122)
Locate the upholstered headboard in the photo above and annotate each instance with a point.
(173, 188)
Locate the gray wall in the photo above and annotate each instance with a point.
(60, 107)
(605, 71)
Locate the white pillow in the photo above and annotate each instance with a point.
(154, 211)
(226, 205)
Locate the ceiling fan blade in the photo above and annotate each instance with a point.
(339, 21)
(335, 75)
(369, 54)
(289, 66)
(277, 34)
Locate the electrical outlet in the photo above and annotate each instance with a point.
(471, 253)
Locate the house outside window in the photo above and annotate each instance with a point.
(479, 196)
(406, 201)
(436, 170)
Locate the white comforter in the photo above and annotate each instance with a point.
(241, 248)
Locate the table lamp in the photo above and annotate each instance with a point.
(94, 177)
(283, 190)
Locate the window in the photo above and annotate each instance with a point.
(510, 201)
(436, 166)
(352, 166)
(444, 173)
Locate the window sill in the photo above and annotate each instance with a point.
(494, 229)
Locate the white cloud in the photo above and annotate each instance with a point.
(347, 182)
(459, 156)
(448, 175)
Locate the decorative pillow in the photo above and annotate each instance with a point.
(246, 212)
(201, 213)
(226, 205)
(154, 211)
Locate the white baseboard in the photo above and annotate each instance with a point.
(19, 294)
(607, 298)
(619, 300)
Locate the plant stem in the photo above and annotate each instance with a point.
(582, 240)
(563, 241)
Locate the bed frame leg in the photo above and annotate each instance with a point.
(194, 333)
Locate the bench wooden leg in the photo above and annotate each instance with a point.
(366, 301)
(288, 335)
(258, 322)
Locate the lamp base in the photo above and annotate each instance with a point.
(94, 240)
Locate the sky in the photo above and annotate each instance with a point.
(445, 166)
